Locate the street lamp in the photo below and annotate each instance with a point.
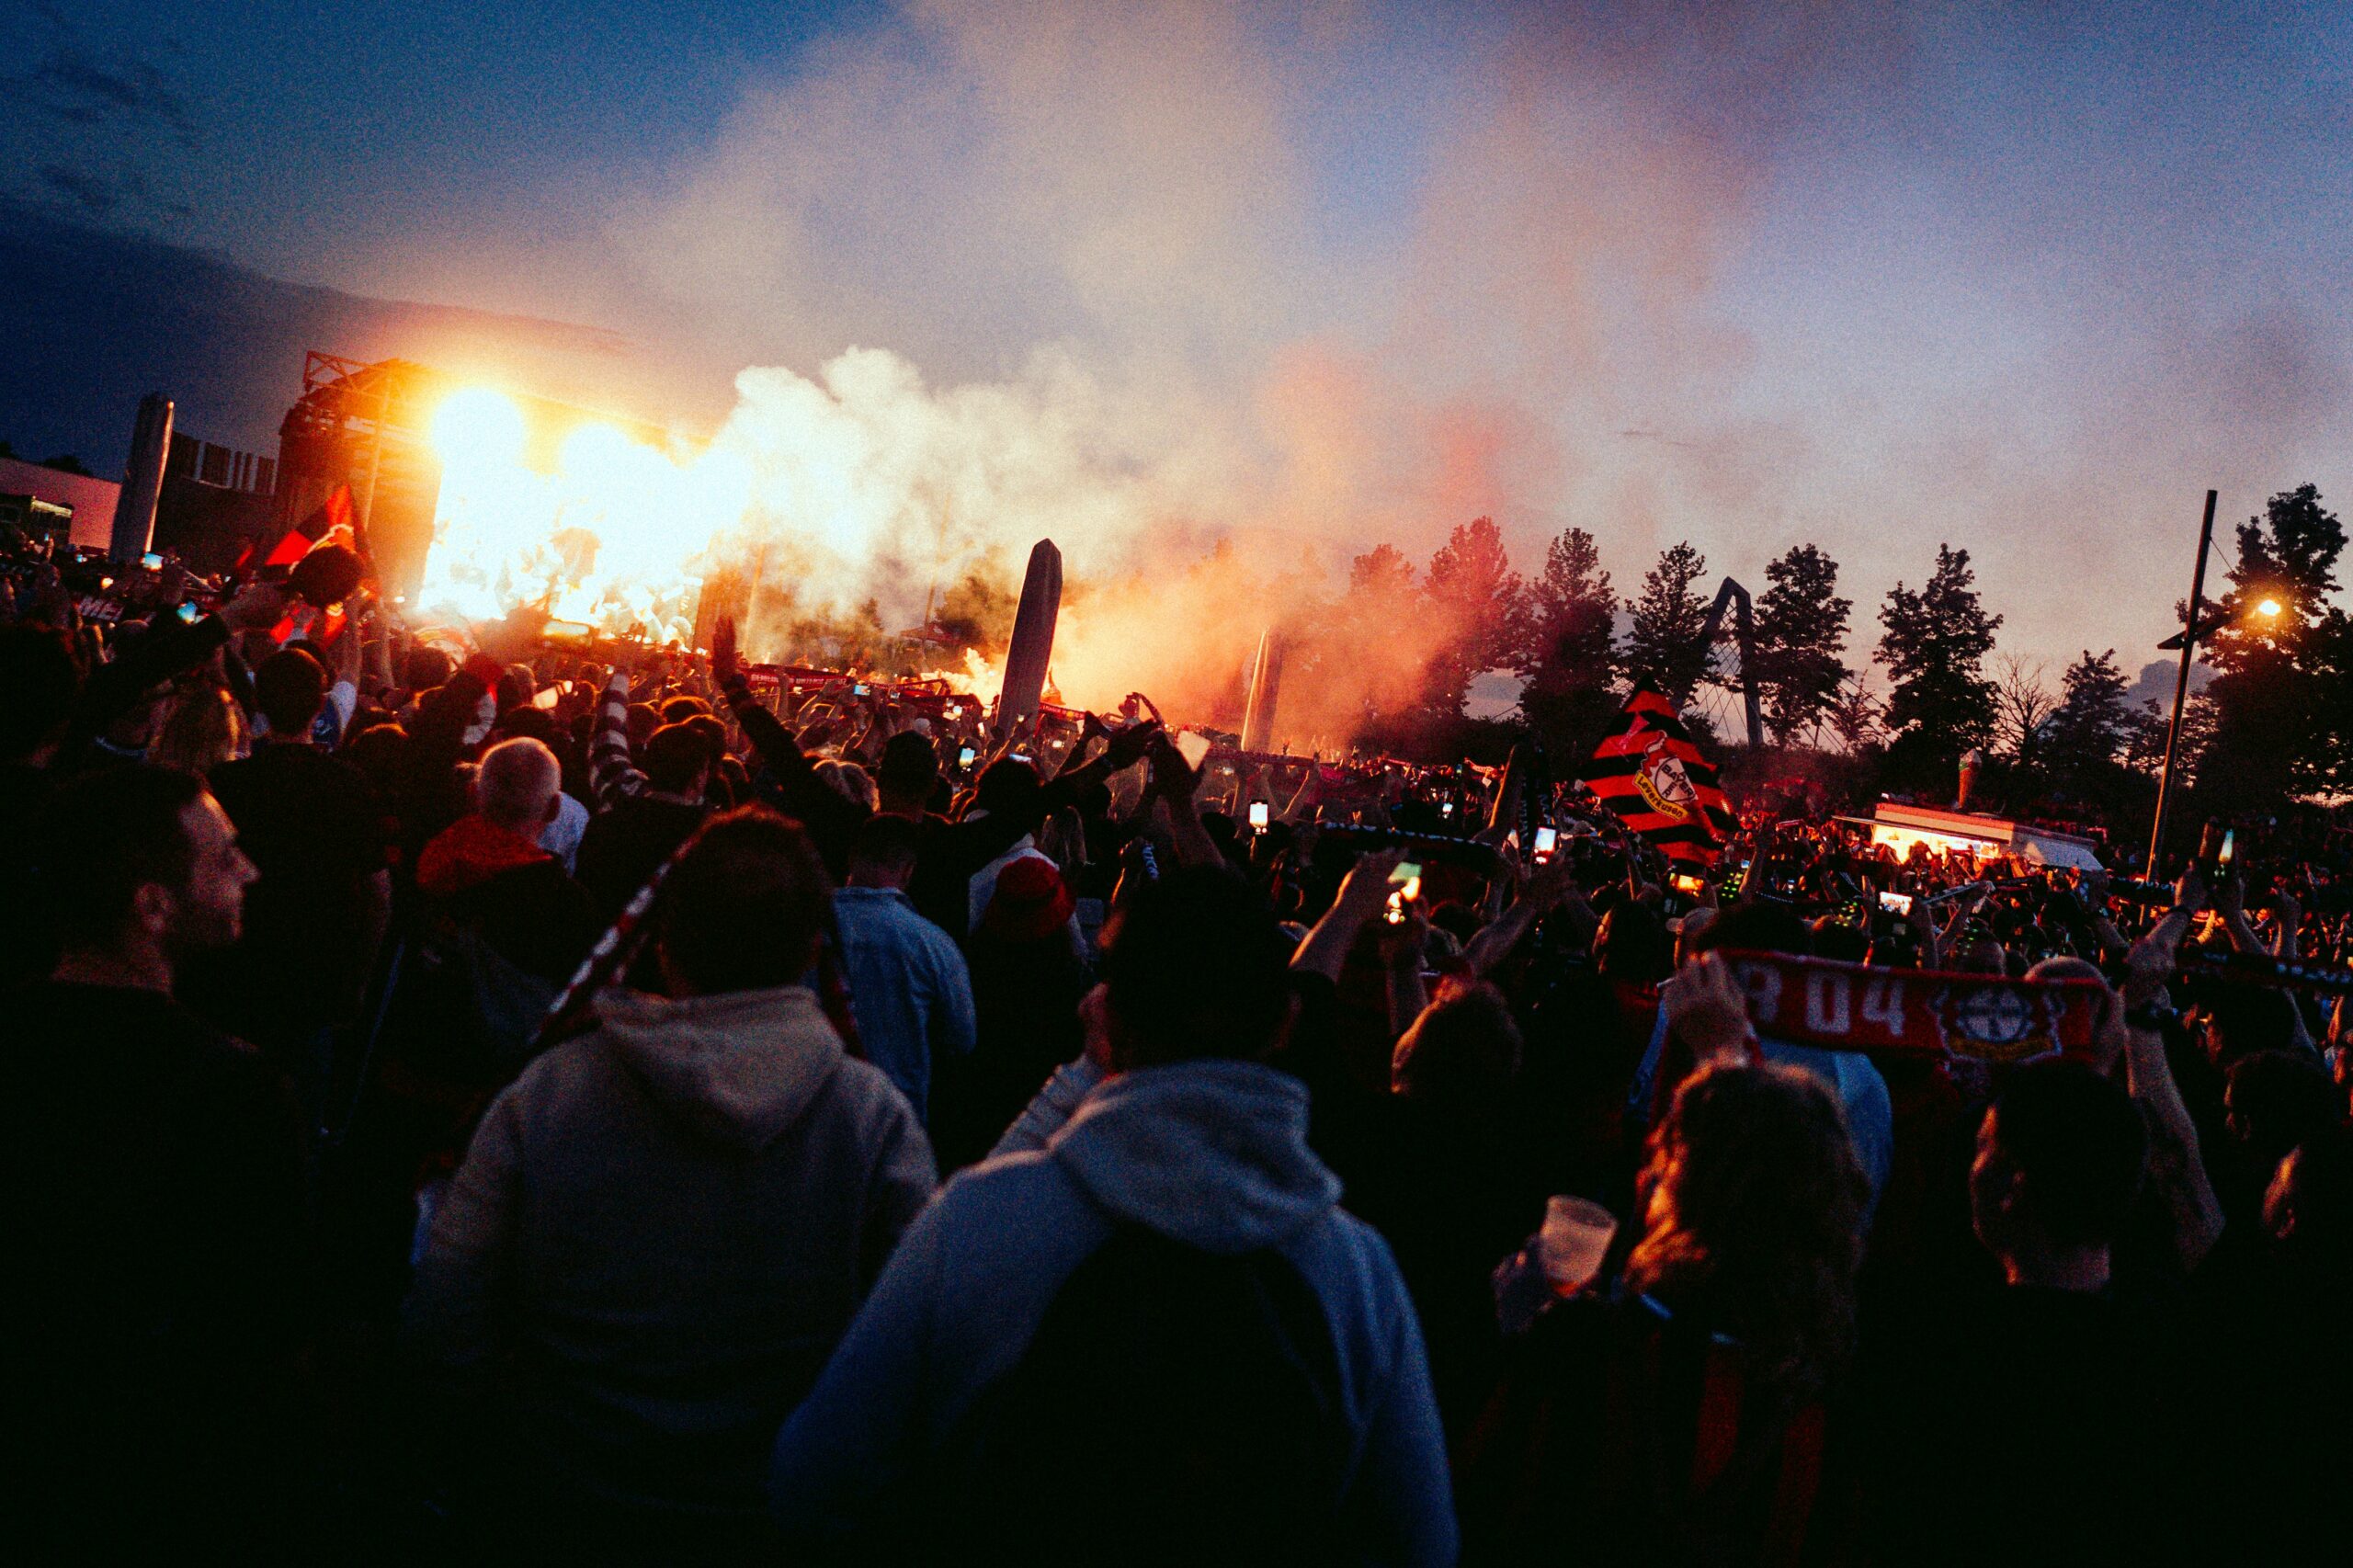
(2186, 640)
(2267, 609)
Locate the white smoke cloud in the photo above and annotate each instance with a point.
(1317, 277)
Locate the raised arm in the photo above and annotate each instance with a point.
(1122, 751)
(829, 815)
(1401, 949)
(1175, 782)
(2287, 914)
(2175, 1167)
(1553, 886)
(1324, 950)
(2113, 945)
(1303, 801)
(2230, 903)
(113, 688)
(612, 776)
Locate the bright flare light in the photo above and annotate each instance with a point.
(478, 429)
(617, 536)
(593, 454)
(2268, 607)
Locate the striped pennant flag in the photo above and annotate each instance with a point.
(1648, 772)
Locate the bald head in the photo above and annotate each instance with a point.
(515, 785)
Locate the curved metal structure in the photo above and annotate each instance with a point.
(1745, 636)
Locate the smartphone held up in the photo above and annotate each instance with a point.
(1405, 884)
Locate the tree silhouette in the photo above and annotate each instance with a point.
(1934, 646)
(2091, 721)
(1569, 653)
(1478, 603)
(1666, 641)
(2023, 701)
(1801, 634)
(2275, 670)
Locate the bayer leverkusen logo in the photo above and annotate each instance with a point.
(1996, 1022)
(1666, 788)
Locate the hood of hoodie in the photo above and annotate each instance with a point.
(1212, 1153)
(738, 1068)
(470, 852)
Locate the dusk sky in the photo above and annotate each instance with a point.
(2027, 279)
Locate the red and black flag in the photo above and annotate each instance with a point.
(333, 512)
(1649, 773)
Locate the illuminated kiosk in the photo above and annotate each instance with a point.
(1969, 833)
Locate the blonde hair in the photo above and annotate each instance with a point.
(201, 727)
(850, 780)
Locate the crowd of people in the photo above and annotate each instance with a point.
(605, 1111)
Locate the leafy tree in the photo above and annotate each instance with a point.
(1667, 642)
(2144, 737)
(1801, 632)
(1480, 605)
(1382, 571)
(2092, 721)
(1570, 609)
(1569, 655)
(1934, 646)
(2330, 656)
(2273, 668)
(2288, 555)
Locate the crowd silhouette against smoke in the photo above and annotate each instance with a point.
(1392, 794)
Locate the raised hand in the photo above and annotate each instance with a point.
(1366, 887)
(2230, 896)
(725, 665)
(1128, 746)
(1406, 942)
(1554, 884)
(1173, 778)
(257, 607)
(1704, 1004)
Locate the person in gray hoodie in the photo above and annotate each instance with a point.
(664, 1225)
(1193, 1136)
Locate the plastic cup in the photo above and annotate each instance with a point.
(1575, 1239)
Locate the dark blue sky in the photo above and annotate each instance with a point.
(273, 130)
(2027, 278)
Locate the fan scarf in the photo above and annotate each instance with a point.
(1852, 1007)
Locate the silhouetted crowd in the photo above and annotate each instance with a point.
(547, 1110)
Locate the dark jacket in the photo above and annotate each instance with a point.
(157, 1270)
(512, 893)
(658, 1235)
(1625, 1432)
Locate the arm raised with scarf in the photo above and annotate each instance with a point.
(829, 815)
(2176, 1169)
(613, 778)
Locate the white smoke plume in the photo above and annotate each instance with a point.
(1305, 278)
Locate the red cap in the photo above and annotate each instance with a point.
(1030, 901)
